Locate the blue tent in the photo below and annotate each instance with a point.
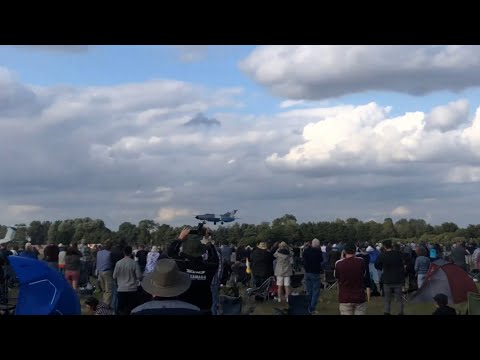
(43, 291)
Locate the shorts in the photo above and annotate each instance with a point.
(353, 309)
(283, 280)
(72, 275)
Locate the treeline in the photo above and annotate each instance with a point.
(286, 229)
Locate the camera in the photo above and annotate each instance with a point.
(199, 230)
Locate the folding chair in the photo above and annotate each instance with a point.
(330, 281)
(263, 291)
(473, 303)
(230, 305)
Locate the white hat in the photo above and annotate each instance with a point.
(154, 249)
(334, 246)
(369, 248)
(60, 245)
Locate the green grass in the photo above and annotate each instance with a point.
(327, 305)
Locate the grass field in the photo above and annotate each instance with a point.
(328, 305)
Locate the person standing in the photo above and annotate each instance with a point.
(61, 258)
(142, 257)
(459, 254)
(312, 261)
(422, 264)
(350, 272)
(116, 254)
(393, 275)
(50, 255)
(262, 264)
(128, 276)
(105, 272)
(73, 265)
(29, 252)
(283, 270)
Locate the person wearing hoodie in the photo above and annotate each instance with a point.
(283, 270)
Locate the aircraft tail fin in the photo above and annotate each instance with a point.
(9, 236)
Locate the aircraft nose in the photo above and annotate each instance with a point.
(196, 217)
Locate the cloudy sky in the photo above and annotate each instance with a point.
(125, 133)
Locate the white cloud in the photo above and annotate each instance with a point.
(448, 117)
(23, 210)
(365, 139)
(289, 103)
(190, 53)
(327, 71)
(464, 174)
(170, 214)
(231, 161)
(162, 189)
(401, 211)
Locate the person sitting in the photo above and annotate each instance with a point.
(95, 307)
(166, 283)
(441, 301)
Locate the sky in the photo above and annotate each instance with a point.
(125, 133)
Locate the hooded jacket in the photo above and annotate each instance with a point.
(283, 266)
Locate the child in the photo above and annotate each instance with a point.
(441, 301)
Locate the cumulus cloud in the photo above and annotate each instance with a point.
(326, 71)
(365, 139)
(401, 211)
(121, 153)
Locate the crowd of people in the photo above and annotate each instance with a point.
(186, 276)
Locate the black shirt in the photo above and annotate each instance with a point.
(262, 263)
(201, 273)
(142, 257)
(445, 310)
(391, 262)
(312, 260)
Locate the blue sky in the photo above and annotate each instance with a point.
(259, 151)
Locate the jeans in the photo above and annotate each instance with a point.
(215, 290)
(390, 289)
(312, 284)
(420, 279)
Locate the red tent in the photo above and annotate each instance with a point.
(445, 278)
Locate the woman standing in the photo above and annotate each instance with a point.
(152, 258)
(73, 265)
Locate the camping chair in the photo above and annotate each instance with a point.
(473, 304)
(230, 305)
(263, 291)
(296, 281)
(297, 305)
(330, 281)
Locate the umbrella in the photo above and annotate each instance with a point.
(43, 291)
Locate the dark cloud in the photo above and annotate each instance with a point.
(315, 72)
(202, 120)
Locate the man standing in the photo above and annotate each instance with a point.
(393, 275)
(128, 275)
(116, 254)
(50, 255)
(350, 272)
(105, 272)
(459, 254)
(312, 261)
(201, 263)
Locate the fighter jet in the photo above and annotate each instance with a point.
(223, 218)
